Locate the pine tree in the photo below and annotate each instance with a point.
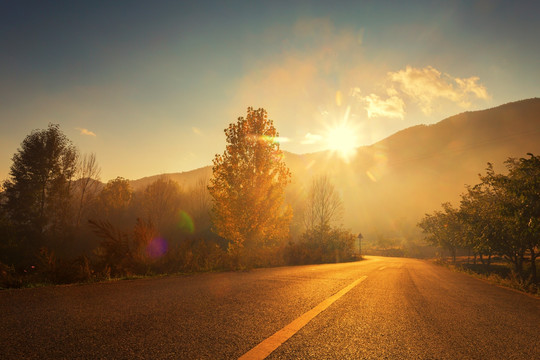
(38, 192)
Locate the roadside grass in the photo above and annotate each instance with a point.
(498, 272)
(11, 280)
(32, 282)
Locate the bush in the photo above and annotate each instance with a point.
(327, 245)
(62, 271)
(8, 277)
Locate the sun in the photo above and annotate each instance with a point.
(342, 139)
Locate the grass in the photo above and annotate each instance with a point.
(498, 272)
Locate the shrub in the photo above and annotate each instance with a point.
(325, 245)
(8, 277)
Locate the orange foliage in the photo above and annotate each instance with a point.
(248, 185)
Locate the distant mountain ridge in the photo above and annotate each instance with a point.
(389, 185)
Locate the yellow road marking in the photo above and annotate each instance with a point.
(382, 268)
(266, 347)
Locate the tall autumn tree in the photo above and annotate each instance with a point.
(248, 185)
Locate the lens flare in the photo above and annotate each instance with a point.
(339, 98)
(275, 139)
(371, 176)
(186, 223)
(156, 248)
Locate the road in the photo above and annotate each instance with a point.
(382, 308)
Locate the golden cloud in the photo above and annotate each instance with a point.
(311, 139)
(84, 131)
(392, 107)
(428, 84)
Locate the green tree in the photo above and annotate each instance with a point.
(483, 227)
(38, 192)
(444, 229)
(248, 185)
(522, 184)
(500, 215)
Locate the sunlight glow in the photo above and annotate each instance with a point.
(342, 139)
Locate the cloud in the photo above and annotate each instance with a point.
(470, 85)
(429, 84)
(84, 131)
(196, 130)
(311, 139)
(355, 92)
(392, 107)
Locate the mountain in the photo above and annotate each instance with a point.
(186, 179)
(391, 184)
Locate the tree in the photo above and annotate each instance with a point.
(114, 201)
(38, 191)
(161, 201)
(503, 219)
(87, 183)
(484, 230)
(523, 186)
(324, 206)
(444, 229)
(199, 204)
(500, 215)
(248, 185)
(323, 240)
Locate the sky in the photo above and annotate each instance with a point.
(149, 87)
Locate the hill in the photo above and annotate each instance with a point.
(186, 179)
(392, 183)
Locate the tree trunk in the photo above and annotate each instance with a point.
(533, 265)
(519, 264)
(79, 212)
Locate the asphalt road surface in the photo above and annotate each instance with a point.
(374, 309)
